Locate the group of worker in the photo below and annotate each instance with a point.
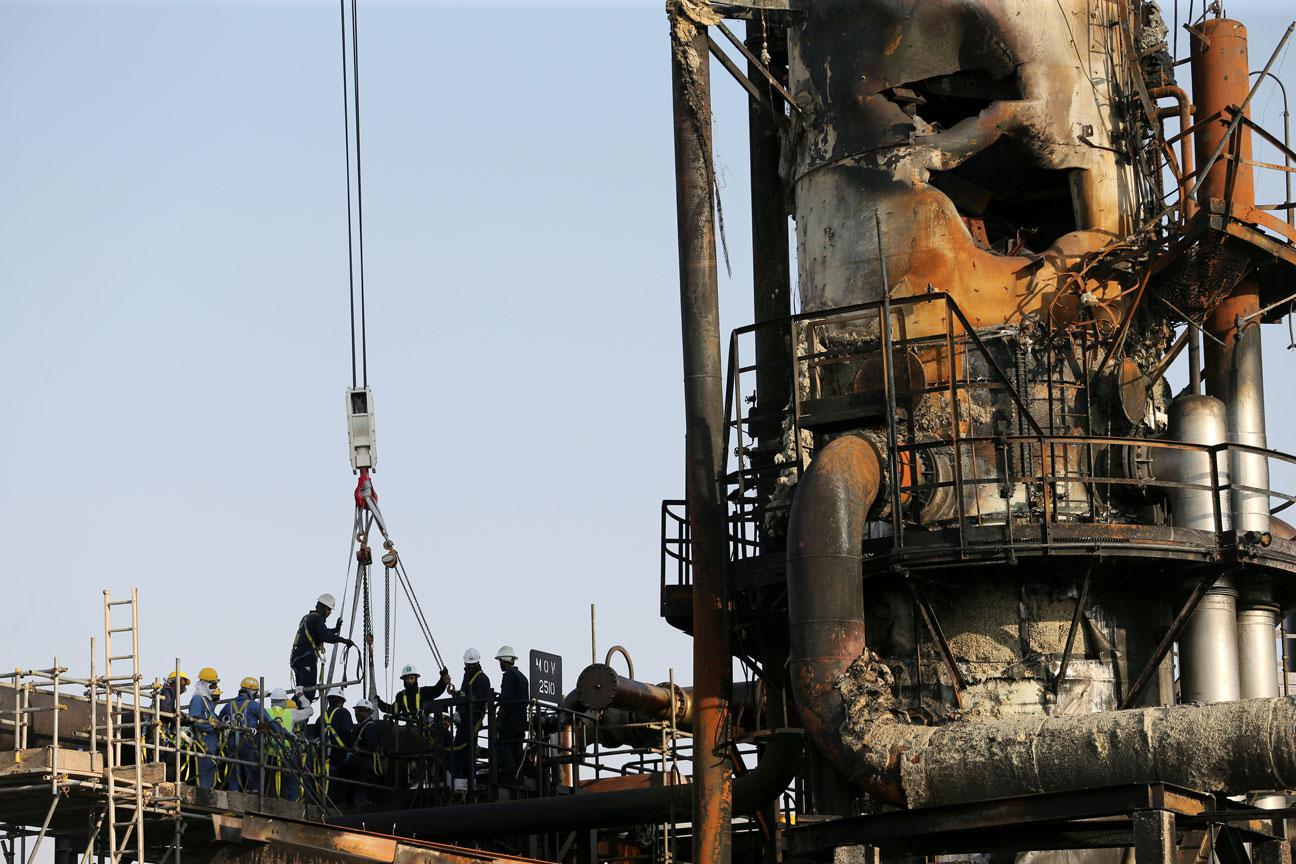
(339, 745)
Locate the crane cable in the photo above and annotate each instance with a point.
(355, 224)
(366, 500)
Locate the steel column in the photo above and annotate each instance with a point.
(1154, 837)
(704, 434)
(771, 266)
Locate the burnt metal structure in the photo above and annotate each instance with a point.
(978, 548)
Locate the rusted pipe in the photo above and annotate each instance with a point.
(850, 709)
(704, 433)
(1184, 113)
(1221, 78)
(825, 589)
(600, 687)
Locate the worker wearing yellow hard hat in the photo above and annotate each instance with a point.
(202, 713)
(168, 697)
(243, 715)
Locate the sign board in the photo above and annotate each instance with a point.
(546, 677)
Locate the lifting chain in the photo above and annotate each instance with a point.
(386, 617)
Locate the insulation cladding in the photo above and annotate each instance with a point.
(1000, 154)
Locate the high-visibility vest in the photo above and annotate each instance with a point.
(303, 630)
(402, 701)
(328, 724)
(282, 715)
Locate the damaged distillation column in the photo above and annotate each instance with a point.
(976, 174)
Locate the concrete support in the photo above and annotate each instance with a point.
(704, 434)
(1154, 837)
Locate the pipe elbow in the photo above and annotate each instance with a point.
(824, 580)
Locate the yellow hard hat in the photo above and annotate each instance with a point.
(250, 683)
(171, 676)
(291, 704)
(207, 673)
(215, 691)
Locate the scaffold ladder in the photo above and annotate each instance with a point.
(125, 793)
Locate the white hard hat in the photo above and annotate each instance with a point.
(409, 669)
(279, 694)
(472, 655)
(327, 600)
(363, 705)
(506, 652)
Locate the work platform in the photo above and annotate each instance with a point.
(65, 791)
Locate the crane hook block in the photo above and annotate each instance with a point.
(360, 428)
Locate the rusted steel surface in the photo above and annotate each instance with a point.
(1220, 74)
(704, 428)
(950, 106)
(600, 687)
(264, 840)
(825, 591)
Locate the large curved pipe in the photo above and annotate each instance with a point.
(751, 791)
(848, 706)
(826, 590)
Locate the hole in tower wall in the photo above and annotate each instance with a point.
(1011, 203)
(945, 100)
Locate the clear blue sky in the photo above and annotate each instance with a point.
(173, 251)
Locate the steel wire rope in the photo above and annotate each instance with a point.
(419, 617)
(346, 145)
(355, 96)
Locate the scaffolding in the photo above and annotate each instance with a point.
(102, 767)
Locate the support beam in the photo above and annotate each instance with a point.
(1154, 837)
(771, 264)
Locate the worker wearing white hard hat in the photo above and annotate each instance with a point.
(412, 700)
(284, 778)
(313, 633)
(474, 704)
(364, 766)
(511, 716)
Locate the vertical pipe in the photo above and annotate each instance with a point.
(1221, 79)
(704, 433)
(54, 750)
(94, 706)
(1257, 619)
(1257, 643)
(1234, 370)
(1194, 360)
(1208, 648)
(771, 266)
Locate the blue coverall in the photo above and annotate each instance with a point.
(203, 714)
(243, 715)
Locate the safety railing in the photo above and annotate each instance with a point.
(1027, 466)
(424, 759)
